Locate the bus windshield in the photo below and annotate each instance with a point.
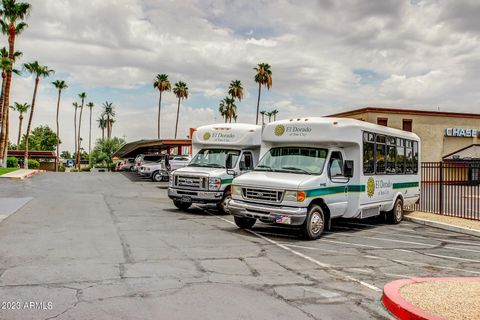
(293, 159)
(214, 158)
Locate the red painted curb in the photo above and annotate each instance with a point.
(401, 308)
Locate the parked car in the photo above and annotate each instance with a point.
(141, 159)
(69, 163)
(127, 164)
(159, 171)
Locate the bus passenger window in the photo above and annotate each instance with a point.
(408, 157)
(368, 153)
(415, 157)
(400, 156)
(380, 154)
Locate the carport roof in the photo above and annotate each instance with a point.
(132, 149)
(472, 152)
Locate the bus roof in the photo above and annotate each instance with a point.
(333, 131)
(228, 134)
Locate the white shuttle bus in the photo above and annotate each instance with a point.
(315, 169)
(208, 176)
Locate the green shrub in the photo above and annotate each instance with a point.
(61, 168)
(33, 164)
(12, 162)
(74, 170)
(85, 169)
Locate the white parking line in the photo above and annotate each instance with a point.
(439, 256)
(308, 258)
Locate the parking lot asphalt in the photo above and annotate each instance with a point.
(103, 246)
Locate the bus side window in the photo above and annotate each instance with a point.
(246, 162)
(380, 154)
(335, 166)
(408, 157)
(415, 157)
(391, 155)
(368, 153)
(400, 156)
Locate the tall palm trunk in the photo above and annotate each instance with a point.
(90, 134)
(75, 126)
(178, 113)
(159, 108)
(258, 101)
(3, 119)
(29, 127)
(103, 133)
(79, 137)
(58, 131)
(108, 127)
(20, 118)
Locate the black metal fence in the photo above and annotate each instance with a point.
(450, 188)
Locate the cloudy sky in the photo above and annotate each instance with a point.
(326, 56)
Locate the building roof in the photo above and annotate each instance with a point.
(471, 152)
(132, 149)
(33, 154)
(406, 111)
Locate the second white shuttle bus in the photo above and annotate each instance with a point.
(315, 169)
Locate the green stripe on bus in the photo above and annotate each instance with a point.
(356, 188)
(335, 190)
(402, 185)
(227, 181)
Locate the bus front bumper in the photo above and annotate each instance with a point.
(195, 196)
(284, 215)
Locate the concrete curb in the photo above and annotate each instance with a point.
(401, 308)
(29, 174)
(443, 226)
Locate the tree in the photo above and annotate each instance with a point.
(41, 139)
(162, 83)
(181, 92)
(20, 108)
(222, 108)
(108, 111)
(103, 151)
(264, 78)
(235, 90)
(66, 155)
(38, 71)
(269, 115)
(228, 109)
(90, 106)
(102, 124)
(76, 106)
(59, 85)
(12, 15)
(82, 96)
(274, 113)
(263, 112)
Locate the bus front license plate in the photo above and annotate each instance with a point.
(186, 199)
(283, 219)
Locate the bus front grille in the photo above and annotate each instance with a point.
(262, 194)
(190, 182)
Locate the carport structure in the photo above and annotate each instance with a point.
(169, 146)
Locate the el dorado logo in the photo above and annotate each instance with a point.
(206, 136)
(370, 187)
(279, 130)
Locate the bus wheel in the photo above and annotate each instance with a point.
(314, 224)
(182, 205)
(222, 205)
(244, 223)
(395, 215)
(156, 176)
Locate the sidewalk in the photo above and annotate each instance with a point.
(20, 173)
(471, 227)
(433, 298)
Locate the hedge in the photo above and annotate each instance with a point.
(12, 162)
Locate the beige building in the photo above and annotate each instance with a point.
(443, 134)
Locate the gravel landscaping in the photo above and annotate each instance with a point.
(449, 299)
(459, 222)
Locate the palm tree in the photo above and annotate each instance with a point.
(12, 15)
(38, 71)
(235, 90)
(274, 114)
(82, 96)
(109, 113)
(222, 108)
(269, 115)
(181, 92)
(235, 118)
(90, 105)
(162, 83)
(20, 108)
(6, 64)
(102, 124)
(263, 113)
(59, 85)
(76, 106)
(264, 78)
(230, 107)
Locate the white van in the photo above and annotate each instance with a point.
(316, 169)
(205, 179)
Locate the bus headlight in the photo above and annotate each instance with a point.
(170, 180)
(236, 190)
(214, 183)
(295, 196)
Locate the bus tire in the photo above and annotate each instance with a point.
(182, 205)
(157, 177)
(395, 215)
(222, 205)
(314, 223)
(244, 223)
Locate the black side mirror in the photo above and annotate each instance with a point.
(348, 168)
(229, 161)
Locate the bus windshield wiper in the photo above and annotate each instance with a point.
(263, 168)
(296, 169)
